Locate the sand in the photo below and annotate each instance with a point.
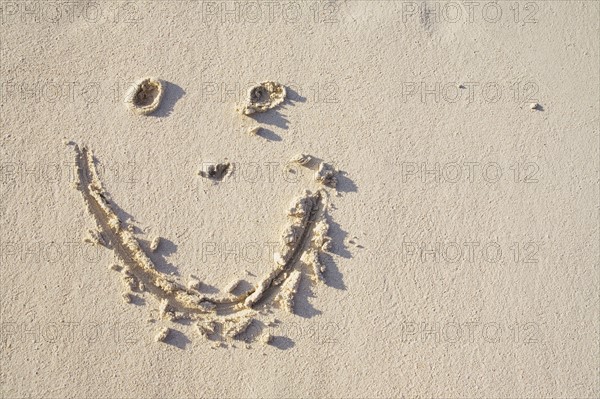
(453, 251)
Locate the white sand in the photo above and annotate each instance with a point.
(465, 236)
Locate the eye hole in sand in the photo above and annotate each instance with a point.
(144, 96)
(259, 94)
(263, 97)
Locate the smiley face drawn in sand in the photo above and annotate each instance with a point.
(215, 317)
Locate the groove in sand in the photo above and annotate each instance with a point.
(179, 301)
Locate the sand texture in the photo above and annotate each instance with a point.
(324, 199)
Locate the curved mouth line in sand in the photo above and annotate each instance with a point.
(306, 237)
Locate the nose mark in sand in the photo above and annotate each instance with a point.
(144, 96)
(216, 172)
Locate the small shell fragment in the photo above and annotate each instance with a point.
(534, 106)
(144, 96)
(263, 97)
